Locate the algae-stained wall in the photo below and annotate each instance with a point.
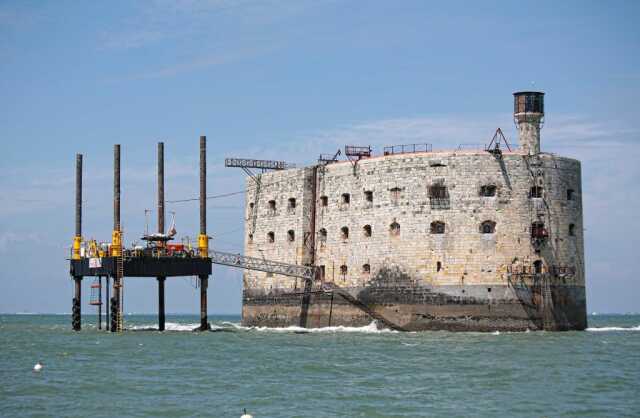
(390, 191)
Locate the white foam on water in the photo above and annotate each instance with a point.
(372, 328)
(495, 333)
(168, 326)
(604, 329)
(171, 326)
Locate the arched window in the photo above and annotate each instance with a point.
(536, 192)
(250, 238)
(346, 198)
(272, 207)
(322, 235)
(291, 235)
(488, 190)
(572, 230)
(366, 269)
(394, 229)
(487, 227)
(343, 270)
(344, 232)
(271, 237)
(437, 227)
(324, 201)
(366, 230)
(395, 194)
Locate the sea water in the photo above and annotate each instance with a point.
(330, 372)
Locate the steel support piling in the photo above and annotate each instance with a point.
(204, 320)
(161, 226)
(203, 239)
(77, 304)
(116, 243)
(161, 315)
(76, 320)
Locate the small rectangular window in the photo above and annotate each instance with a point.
(570, 194)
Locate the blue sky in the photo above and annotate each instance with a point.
(289, 80)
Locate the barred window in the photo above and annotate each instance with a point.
(536, 192)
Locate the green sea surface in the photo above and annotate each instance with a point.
(331, 372)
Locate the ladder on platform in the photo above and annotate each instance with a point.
(119, 283)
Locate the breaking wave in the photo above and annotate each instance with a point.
(372, 328)
(604, 329)
(170, 326)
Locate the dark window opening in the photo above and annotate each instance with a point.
(438, 266)
(368, 196)
(292, 203)
(366, 269)
(250, 238)
(439, 196)
(537, 266)
(272, 206)
(346, 198)
(487, 227)
(394, 229)
(570, 194)
(291, 235)
(572, 230)
(489, 289)
(366, 230)
(324, 201)
(343, 270)
(488, 190)
(322, 235)
(271, 237)
(538, 230)
(344, 232)
(437, 227)
(536, 192)
(322, 270)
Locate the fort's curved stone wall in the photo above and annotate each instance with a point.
(484, 271)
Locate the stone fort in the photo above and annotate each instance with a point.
(485, 238)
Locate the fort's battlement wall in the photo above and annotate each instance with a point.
(378, 217)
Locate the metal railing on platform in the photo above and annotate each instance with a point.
(407, 149)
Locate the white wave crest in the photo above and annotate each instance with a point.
(372, 328)
(604, 329)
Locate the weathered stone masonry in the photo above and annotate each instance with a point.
(437, 240)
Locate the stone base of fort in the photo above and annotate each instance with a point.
(453, 308)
